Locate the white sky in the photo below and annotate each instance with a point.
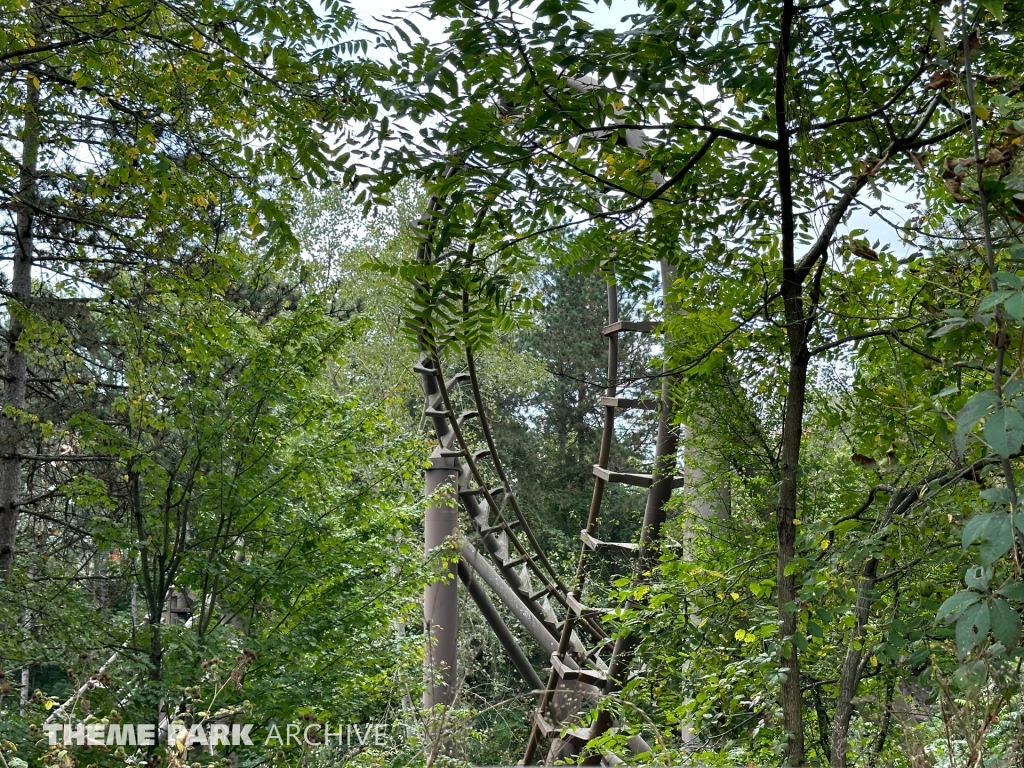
(602, 16)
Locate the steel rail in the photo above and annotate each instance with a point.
(594, 628)
(448, 428)
(453, 445)
(485, 427)
(550, 585)
(604, 455)
(544, 571)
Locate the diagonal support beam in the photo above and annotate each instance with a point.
(498, 627)
(478, 563)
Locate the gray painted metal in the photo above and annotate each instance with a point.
(497, 625)
(509, 598)
(441, 600)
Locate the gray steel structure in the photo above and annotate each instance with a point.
(585, 663)
(507, 558)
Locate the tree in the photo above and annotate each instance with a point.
(550, 430)
(764, 126)
(142, 135)
(240, 472)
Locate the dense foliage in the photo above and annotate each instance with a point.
(212, 437)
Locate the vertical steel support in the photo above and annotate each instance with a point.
(441, 599)
(565, 641)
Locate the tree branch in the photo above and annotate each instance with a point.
(893, 332)
(838, 212)
(722, 133)
(874, 113)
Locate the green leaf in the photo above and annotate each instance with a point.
(937, 28)
(995, 7)
(975, 528)
(1009, 278)
(978, 577)
(972, 627)
(997, 495)
(997, 538)
(918, 657)
(1005, 623)
(800, 641)
(970, 677)
(1014, 306)
(949, 325)
(956, 604)
(1014, 590)
(976, 407)
(971, 413)
(1004, 431)
(993, 299)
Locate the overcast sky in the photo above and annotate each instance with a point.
(897, 200)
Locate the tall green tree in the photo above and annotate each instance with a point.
(239, 473)
(147, 135)
(550, 433)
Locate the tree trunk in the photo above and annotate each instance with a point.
(156, 648)
(17, 365)
(852, 669)
(789, 659)
(849, 677)
(797, 327)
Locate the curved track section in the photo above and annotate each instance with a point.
(660, 483)
(585, 662)
(503, 532)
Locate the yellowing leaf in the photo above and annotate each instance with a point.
(739, 634)
(197, 41)
(825, 543)
(983, 112)
(734, 595)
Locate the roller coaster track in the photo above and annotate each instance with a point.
(585, 662)
(500, 525)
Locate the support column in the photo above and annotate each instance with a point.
(440, 601)
(658, 495)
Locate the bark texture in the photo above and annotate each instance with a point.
(16, 362)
